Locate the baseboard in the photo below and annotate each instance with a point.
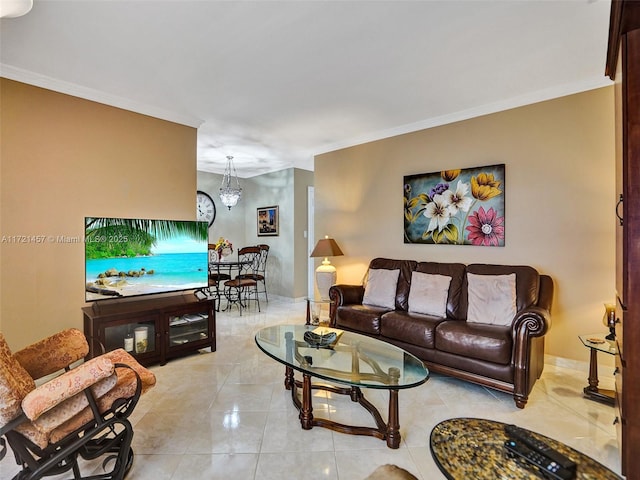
(280, 298)
(577, 365)
(606, 364)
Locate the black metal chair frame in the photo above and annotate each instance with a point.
(215, 276)
(108, 434)
(261, 271)
(240, 290)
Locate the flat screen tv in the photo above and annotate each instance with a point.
(126, 257)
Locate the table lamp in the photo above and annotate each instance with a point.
(326, 273)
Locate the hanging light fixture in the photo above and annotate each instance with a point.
(230, 194)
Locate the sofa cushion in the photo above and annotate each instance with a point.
(457, 273)
(360, 318)
(527, 281)
(412, 328)
(491, 298)
(429, 293)
(404, 279)
(380, 288)
(491, 343)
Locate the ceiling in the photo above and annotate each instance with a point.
(274, 83)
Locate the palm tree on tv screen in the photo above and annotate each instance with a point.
(113, 237)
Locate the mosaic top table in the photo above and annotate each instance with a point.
(354, 360)
(465, 448)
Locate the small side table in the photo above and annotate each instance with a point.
(596, 342)
(315, 311)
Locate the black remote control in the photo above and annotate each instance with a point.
(516, 433)
(548, 468)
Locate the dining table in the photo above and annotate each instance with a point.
(221, 271)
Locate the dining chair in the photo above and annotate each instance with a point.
(244, 287)
(261, 272)
(215, 276)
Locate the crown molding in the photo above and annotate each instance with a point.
(502, 105)
(68, 88)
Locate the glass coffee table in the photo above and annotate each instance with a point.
(353, 360)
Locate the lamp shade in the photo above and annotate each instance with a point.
(326, 247)
(326, 273)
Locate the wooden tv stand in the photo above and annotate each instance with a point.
(175, 325)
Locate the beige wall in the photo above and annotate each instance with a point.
(559, 194)
(61, 159)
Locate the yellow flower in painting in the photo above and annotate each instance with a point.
(485, 186)
(449, 175)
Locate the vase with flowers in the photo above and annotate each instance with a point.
(224, 248)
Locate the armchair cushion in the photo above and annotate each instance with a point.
(15, 384)
(53, 353)
(380, 290)
(57, 415)
(65, 386)
(125, 388)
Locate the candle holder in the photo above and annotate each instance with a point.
(609, 320)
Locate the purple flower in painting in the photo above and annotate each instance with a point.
(485, 228)
(439, 189)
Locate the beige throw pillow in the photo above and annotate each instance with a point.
(429, 293)
(492, 298)
(380, 289)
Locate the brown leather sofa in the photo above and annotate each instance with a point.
(508, 358)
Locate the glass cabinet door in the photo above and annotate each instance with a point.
(137, 337)
(189, 327)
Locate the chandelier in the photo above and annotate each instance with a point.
(229, 194)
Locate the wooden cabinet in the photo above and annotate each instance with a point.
(623, 66)
(153, 329)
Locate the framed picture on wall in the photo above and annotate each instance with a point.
(268, 221)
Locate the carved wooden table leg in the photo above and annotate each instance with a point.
(593, 370)
(393, 425)
(288, 378)
(306, 412)
(592, 391)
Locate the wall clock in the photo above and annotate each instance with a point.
(205, 208)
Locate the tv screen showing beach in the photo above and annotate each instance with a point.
(128, 257)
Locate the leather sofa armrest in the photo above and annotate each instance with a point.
(343, 295)
(535, 321)
(346, 294)
(545, 293)
(531, 322)
(529, 328)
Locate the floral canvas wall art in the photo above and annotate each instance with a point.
(455, 207)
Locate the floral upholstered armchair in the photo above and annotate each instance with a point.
(82, 412)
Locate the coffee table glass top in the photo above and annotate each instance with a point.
(354, 359)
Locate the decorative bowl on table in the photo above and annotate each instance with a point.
(320, 340)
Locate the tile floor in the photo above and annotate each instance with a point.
(226, 415)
